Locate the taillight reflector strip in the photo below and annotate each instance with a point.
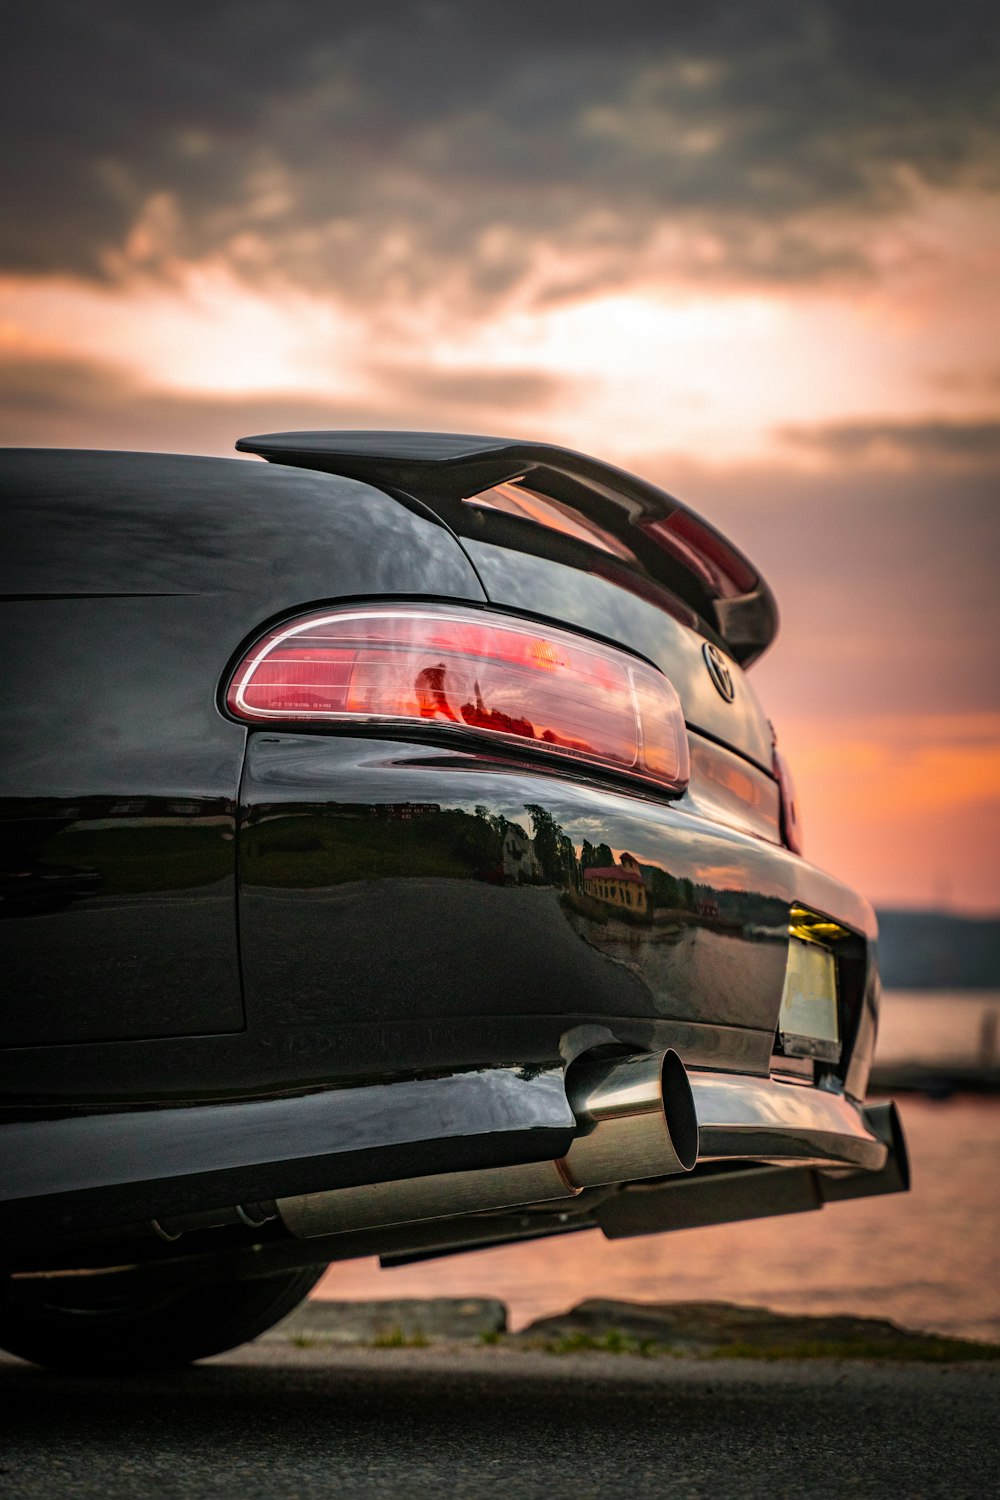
(723, 571)
(791, 823)
(473, 673)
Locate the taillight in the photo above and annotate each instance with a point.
(791, 825)
(468, 672)
(722, 570)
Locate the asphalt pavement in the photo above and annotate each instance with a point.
(276, 1420)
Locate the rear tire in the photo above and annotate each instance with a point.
(142, 1318)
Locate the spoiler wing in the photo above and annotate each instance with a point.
(445, 469)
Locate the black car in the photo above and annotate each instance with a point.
(396, 860)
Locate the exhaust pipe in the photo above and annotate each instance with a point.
(636, 1118)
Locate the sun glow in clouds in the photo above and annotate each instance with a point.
(662, 366)
(206, 331)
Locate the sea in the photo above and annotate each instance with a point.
(927, 1259)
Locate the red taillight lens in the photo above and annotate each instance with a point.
(718, 566)
(469, 671)
(791, 825)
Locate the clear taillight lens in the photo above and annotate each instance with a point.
(470, 672)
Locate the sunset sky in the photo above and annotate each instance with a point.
(750, 250)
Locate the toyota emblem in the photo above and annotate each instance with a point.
(718, 670)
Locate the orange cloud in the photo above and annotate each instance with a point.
(908, 807)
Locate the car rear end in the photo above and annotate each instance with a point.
(526, 942)
(521, 863)
(599, 589)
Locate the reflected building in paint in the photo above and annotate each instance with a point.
(620, 885)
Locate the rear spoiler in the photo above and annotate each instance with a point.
(443, 469)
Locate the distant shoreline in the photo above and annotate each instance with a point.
(938, 950)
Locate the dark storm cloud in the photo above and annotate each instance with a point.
(930, 440)
(380, 146)
(87, 403)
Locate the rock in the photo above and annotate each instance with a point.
(600, 1324)
(720, 1327)
(399, 1321)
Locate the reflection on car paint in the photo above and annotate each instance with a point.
(503, 891)
(150, 879)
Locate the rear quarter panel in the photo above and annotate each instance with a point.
(128, 581)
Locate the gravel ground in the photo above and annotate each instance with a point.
(275, 1420)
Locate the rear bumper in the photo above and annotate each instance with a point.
(71, 1177)
(723, 1189)
(739, 1188)
(762, 1120)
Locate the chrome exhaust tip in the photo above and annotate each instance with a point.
(636, 1117)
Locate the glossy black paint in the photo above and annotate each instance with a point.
(398, 907)
(243, 964)
(70, 1176)
(128, 581)
(117, 798)
(377, 930)
(400, 898)
(379, 925)
(94, 524)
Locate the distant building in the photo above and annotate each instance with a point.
(404, 812)
(619, 885)
(519, 859)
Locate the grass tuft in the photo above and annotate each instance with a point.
(397, 1338)
(612, 1341)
